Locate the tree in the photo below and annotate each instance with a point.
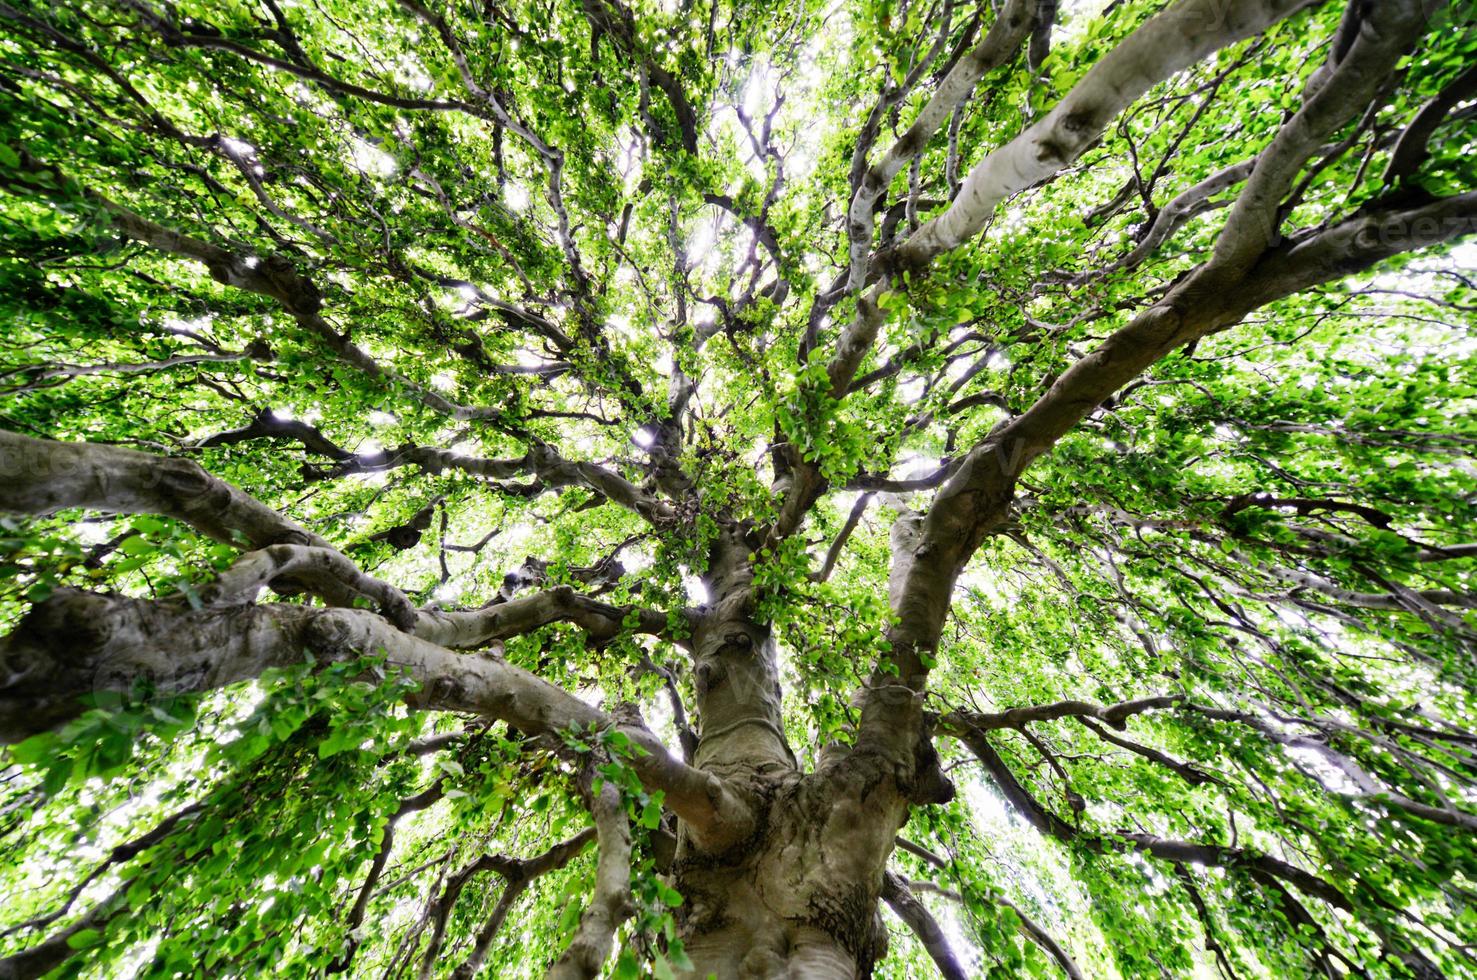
(737, 489)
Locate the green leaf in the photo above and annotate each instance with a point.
(84, 938)
(137, 546)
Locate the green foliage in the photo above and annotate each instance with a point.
(1276, 521)
(281, 791)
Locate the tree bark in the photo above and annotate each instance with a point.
(798, 896)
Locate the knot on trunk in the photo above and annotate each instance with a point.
(62, 630)
(900, 736)
(708, 675)
(929, 785)
(738, 640)
(184, 479)
(627, 714)
(334, 634)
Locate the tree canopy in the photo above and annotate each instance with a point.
(468, 467)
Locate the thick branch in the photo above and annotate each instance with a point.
(978, 495)
(44, 957)
(1000, 43)
(833, 554)
(1114, 715)
(469, 629)
(1385, 32)
(1167, 43)
(267, 425)
(615, 20)
(517, 874)
(322, 571)
(41, 477)
(611, 904)
(1411, 148)
(78, 643)
(1188, 204)
(46, 476)
(550, 470)
(1391, 601)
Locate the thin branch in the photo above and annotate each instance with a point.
(833, 554)
(915, 916)
(412, 804)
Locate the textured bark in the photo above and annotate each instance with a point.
(735, 671)
(782, 871)
(611, 904)
(799, 896)
(77, 643)
(39, 476)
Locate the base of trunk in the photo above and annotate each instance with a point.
(739, 953)
(799, 898)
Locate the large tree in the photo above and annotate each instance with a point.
(740, 489)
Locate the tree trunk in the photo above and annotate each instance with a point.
(798, 897)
